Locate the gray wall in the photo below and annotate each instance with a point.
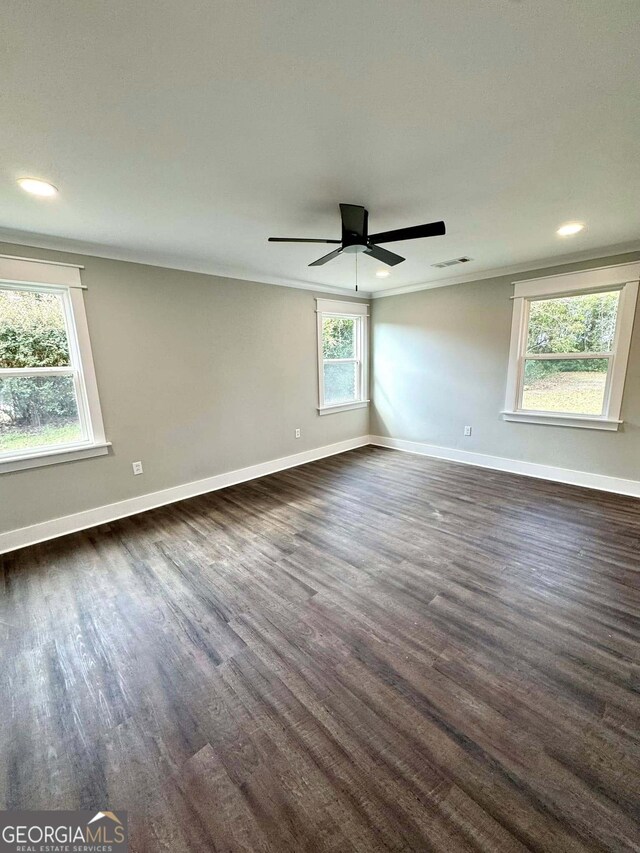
(200, 375)
(197, 375)
(440, 362)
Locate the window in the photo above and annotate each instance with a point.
(49, 409)
(342, 355)
(570, 343)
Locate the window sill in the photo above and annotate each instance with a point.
(343, 407)
(580, 421)
(53, 456)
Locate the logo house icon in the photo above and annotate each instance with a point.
(109, 815)
(106, 828)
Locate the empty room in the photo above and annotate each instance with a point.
(319, 426)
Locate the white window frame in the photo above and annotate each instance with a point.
(623, 277)
(63, 279)
(358, 311)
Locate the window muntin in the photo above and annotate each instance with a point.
(342, 354)
(43, 402)
(559, 372)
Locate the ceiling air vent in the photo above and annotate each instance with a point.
(443, 264)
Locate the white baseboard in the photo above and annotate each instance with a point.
(514, 466)
(35, 533)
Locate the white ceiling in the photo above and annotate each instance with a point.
(185, 132)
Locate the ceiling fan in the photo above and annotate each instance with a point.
(356, 237)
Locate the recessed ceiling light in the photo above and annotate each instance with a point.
(569, 229)
(382, 274)
(36, 187)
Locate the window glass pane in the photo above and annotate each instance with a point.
(585, 323)
(340, 382)
(338, 337)
(573, 386)
(38, 411)
(32, 330)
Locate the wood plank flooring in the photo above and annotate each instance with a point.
(373, 652)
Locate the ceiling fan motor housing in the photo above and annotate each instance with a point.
(356, 240)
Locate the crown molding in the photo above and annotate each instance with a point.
(113, 253)
(603, 252)
(98, 250)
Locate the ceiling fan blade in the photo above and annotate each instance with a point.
(299, 240)
(431, 229)
(383, 255)
(354, 219)
(325, 258)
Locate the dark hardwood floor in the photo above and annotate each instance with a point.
(377, 651)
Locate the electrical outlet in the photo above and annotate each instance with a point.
(467, 430)
(137, 467)
(298, 433)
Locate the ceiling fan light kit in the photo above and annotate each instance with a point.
(357, 240)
